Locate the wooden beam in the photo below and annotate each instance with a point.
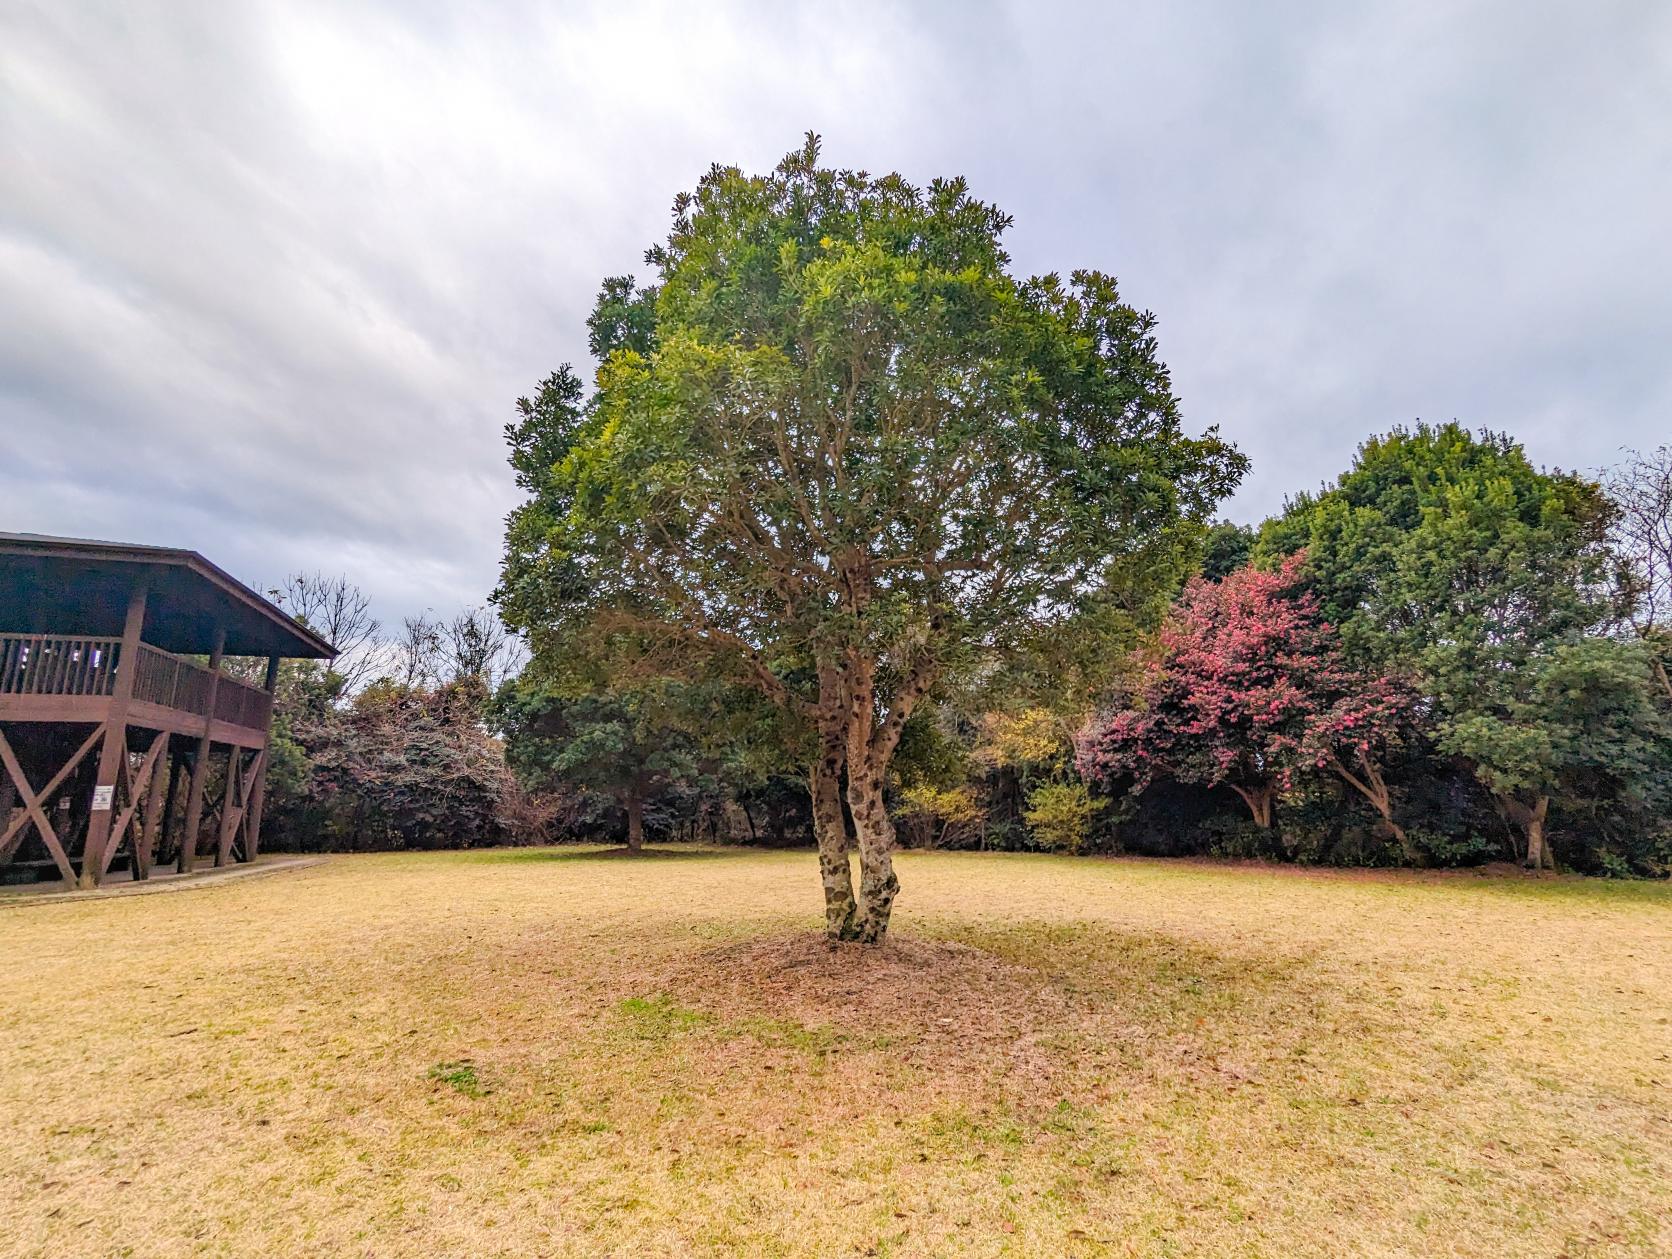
(32, 801)
(175, 760)
(200, 766)
(114, 754)
(253, 782)
(235, 806)
(252, 827)
(230, 810)
(157, 797)
(139, 788)
(8, 801)
(252, 824)
(68, 768)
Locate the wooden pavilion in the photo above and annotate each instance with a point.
(102, 715)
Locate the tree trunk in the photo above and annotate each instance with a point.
(830, 824)
(1539, 856)
(877, 884)
(852, 739)
(635, 821)
(830, 829)
(1665, 679)
(1259, 801)
(1374, 788)
(1536, 855)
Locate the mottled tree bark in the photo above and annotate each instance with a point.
(858, 741)
(875, 832)
(830, 828)
(868, 753)
(830, 824)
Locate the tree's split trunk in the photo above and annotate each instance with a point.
(1531, 818)
(875, 832)
(1374, 788)
(830, 828)
(1260, 801)
(868, 752)
(854, 744)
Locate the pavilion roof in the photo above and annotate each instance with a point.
(51, 585)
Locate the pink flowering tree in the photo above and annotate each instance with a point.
(1249, 687)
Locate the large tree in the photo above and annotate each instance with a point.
(838, 450)
(627, 747)
(1250, 686)
(1576, 723)
(1449, 553)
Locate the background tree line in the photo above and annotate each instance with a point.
(848, 511)
(1446, 657)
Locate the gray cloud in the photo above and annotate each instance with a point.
(272, 274)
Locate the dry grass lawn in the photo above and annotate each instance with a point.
(555, 1053)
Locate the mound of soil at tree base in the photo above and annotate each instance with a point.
(909, 994)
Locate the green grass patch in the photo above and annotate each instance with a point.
(459, 1076)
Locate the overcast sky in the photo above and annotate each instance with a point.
(272, 275)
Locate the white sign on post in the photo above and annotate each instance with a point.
(102, 798)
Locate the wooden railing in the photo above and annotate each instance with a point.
(161, 678)
(240, 704)
(52, 664)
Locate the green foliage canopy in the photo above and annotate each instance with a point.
(1448, 553)
(851, 453)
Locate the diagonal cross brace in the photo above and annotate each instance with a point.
(232, 815)
(33, 812)
(136, 797)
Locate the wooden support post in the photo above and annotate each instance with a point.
(157, 797)
(252, 817)
(138, 784)
(115, 750)
(200, 767)
(175, 760)
(8, 801)
(235, 807)
(35, 804)
(231, 805)
(252, 825)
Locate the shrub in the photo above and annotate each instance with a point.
(938, 817)
(1060, 815)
